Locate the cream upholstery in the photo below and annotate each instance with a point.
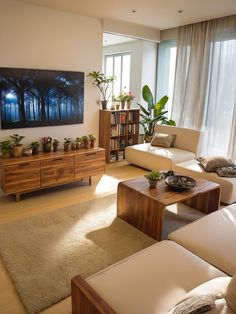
(157, 158)
(153, 280)
(212, 238)
(192, 168)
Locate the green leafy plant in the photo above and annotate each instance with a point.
(34, 144)
(5, 147)
(155, 112)
(103, 83)
(92, 137)
(85, 138)
(67, 140)
(154, 176)
(17, 139)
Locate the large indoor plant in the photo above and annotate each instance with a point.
(153, 114)
(104, 84)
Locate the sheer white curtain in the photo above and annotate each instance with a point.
(205, 82)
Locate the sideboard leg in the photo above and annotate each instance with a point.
(90, 180)
(17, 195)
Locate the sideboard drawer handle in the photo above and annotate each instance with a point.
(57, 159)
(24, 164)
(90, 154)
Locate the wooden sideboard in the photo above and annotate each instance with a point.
(29, 173)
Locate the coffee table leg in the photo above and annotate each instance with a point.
(206, 202)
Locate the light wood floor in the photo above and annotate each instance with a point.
(49, 200)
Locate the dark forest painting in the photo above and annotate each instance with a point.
(33, 98)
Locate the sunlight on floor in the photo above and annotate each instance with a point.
(106, 184)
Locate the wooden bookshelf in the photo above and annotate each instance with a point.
(118, 129)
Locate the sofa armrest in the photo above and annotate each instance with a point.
(86, 300)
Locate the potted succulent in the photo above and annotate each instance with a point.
(67, 143)
(78, 142)
(35, 147)
(153, 177)
(85, 139)
(6, 147)
(103, 83)
(17, 147)
(92, 139)
(55, 144)
(155, 113)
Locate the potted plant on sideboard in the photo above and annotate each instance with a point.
(104, 84)
(17, 147)
(6, 147)
(35, 147)
(92, 139)
(67, 144)
(85, 139)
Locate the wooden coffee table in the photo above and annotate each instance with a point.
(143, 207)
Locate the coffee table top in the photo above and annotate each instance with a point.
(165, 194)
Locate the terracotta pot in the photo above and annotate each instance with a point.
(92, 143)
(17, 150)
(86, 144)
(67, 147)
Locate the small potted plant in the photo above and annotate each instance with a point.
(55, 144)
(86, 141)
(153, 177)
(35, 147)
(17, 147)
(92, 139)
(6, 147)
(73, 145)
(47, 144)
(78, 142)
(67, 143)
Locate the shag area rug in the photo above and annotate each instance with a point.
(44, 252)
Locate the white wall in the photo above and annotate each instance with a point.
(40, 38)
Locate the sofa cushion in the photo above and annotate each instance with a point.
(156, 158)
(212, 238)
(216, 287)
(163, 140)
(152, 280)
(193, 169)
(211, 163)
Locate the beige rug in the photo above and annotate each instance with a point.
(44, 252)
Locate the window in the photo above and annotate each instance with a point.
(166, 71)
(118, 65)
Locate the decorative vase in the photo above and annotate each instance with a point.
(152, 183)
(122, 104)
(104, 104)
(128, 104)
(17, 150)
(47, 147)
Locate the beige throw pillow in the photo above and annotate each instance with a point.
(230, 295)
(163, 140)
(211, 163)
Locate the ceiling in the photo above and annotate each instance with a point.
(161, 14)
(111, 39)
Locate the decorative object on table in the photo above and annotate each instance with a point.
(38, 98)
(55, 145)
(67, 144)
(92, 139)
(104, 84)
(17, 147)
(85, 139)
(153, 177)
(78, 142)
(180, 182)
(73, 146)
(155, 113)
(6, 148)
(27, 151)
(35, 147)
(47, 144)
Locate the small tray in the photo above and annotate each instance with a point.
(180, 182)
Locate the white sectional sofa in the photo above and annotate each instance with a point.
(150, 157)
(199, 259)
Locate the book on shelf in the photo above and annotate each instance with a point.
(114, 130)
(114, 117)
(122, 129)
(122, 117)
(131, 116)
(122, 143)
(114, 144)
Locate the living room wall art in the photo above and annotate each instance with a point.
(36, 98)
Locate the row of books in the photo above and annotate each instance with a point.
(123, 117)
(116, 143)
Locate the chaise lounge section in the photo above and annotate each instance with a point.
(185, 147)
(199, 259)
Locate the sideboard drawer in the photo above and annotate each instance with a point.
(89, 164)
